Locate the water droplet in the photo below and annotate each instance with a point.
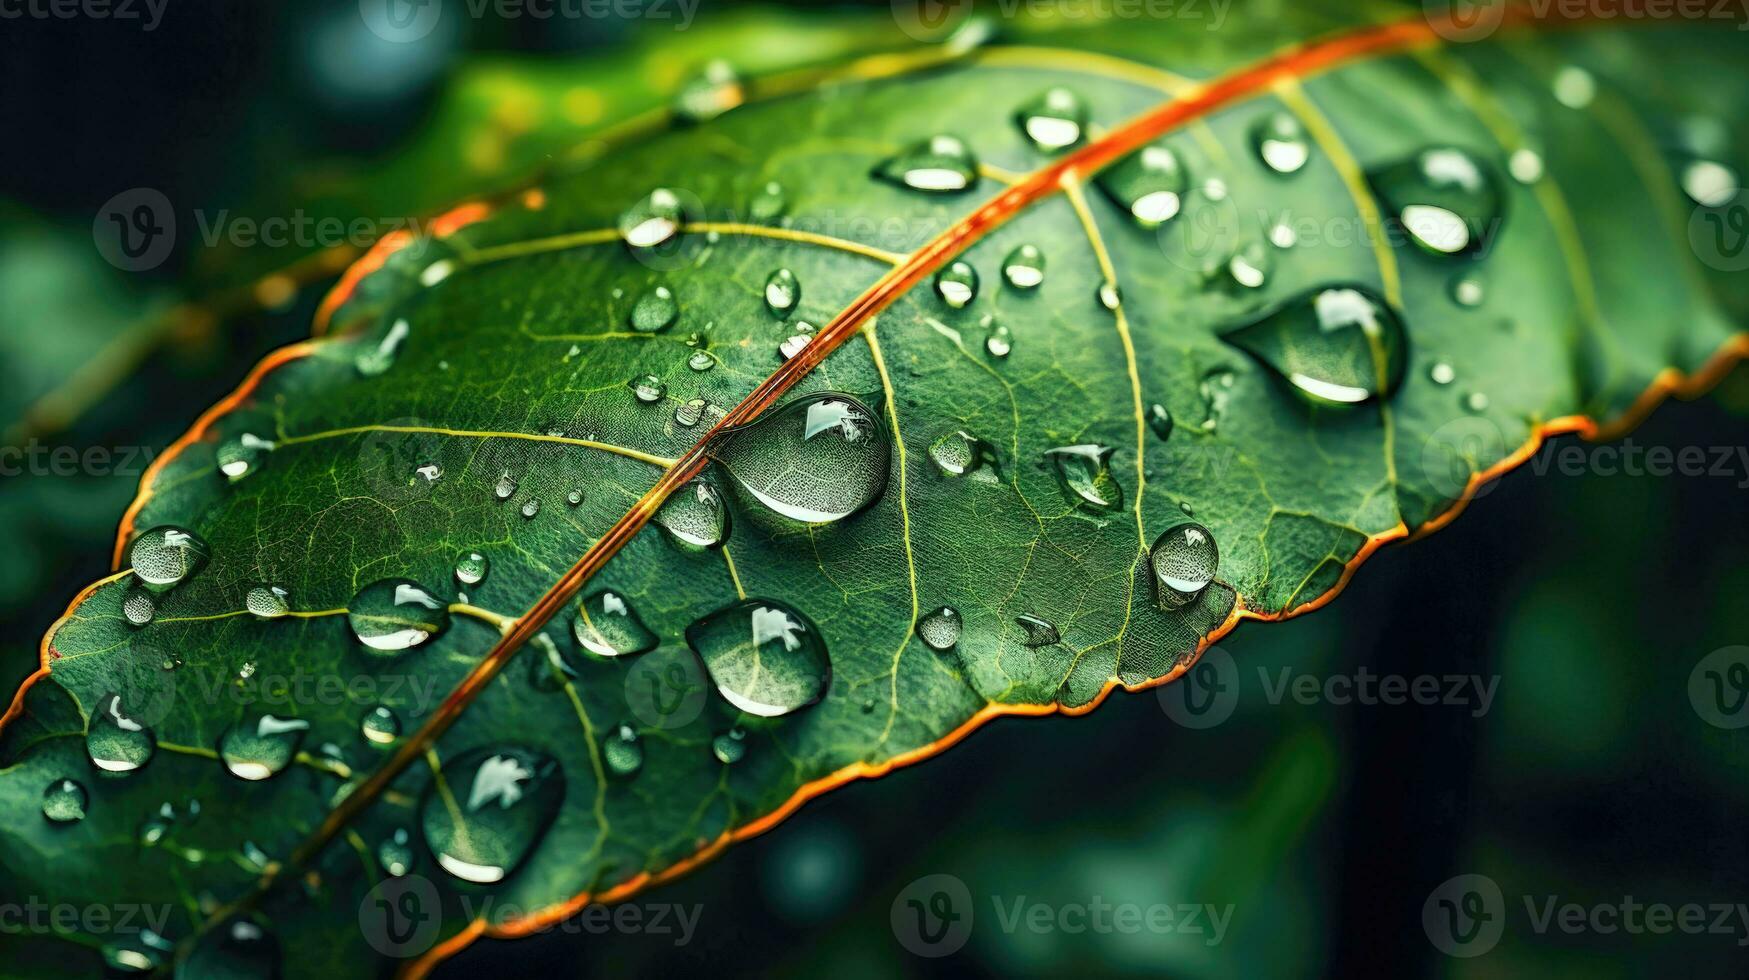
(713, 91)
(690, 412)
(574, 498)
(730, 747)
(117, 742)
(530, 508)
(1467, 291)
(768, 202)
(506, 486)
(1448, 202)
(143, 953)
(794, 344)
(764, 657)
(1038, 633)
(654, 311)
(1215, 388)
(1281, 142)
(648, 388)
(702, 361)
(1024, 268)
(1110, 295)
(782, 291)
(396, 614)
(608, 626)
(548, 670)
(380, 725)
(939, 164)
(957, 284)
(1184, 559)
(1283, 235)
(695, 516)
(166, 555)
(1085, 471)
(653, 220)
(1574, 87)
(494, 806)
(623, 752)
(1149, 184)
(1160, 420)
(1476, 401)
(1248, 266)
(240, 457)
(239, 947)
(1441, 373)
(1215, 189)
(471, 568)
(818, 459)
(1053, 121)
(64, 801)
(375, 360)
(997, 338)
(959, 453)
(262, 747)
(939, 629)
(1709, 184)
(1339, 345)
(138, 606)
(1525, 165)
(268, 602)
(395, 853)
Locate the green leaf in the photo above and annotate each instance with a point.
(1064, 462)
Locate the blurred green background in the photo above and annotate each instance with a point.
(1323, 828)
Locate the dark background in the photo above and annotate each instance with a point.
(1590, 779)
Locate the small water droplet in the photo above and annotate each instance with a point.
(713, 91)
(506, 486)
(1215, 388)
(1110, 295)
(471, 568)
(141, 954)
(395, 853)
(940, 164)
(239, 947)
(1441, 373)
(1053, 121)
(701, 362)
(959, 453)
(997, 338)
(769, 201)
(237, 458)
(648, 388)
(1574, 87)
(166, 555)
(1281, 142)
(1149, 184)
(138, 605)
(654, 311)
(1248, 266)
(1184, 559)
(623, 752)
(730, 747)
(496, 805)
(1525, 165)
(792, 345)
(782, 291)
(1338, 345)
(1038, 632)
(1448, 201)
(574, 498)
(653, 220)
(375, 359)
(380, 725)
(430, 472)
(531, 507)
(1085, 471)
(940, 628)
(1709, 184)
(1024, 268)
(1283, 235)
(957, 284)
(695, 516)
(396, 614)
(261, 747)
(608, 626)
(818, 459)
(1476, 401)
(690, 412)
(1467, 291)
(64, 801)
(764, 657)
(115, 741)
(1160, 421)
(268, 602)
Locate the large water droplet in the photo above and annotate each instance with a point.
(1024, 268)
(1281, 142)
(654, 311)
(782, 291)
(261, 747)
(1448, 201)
(376, 358)
(471, 568)
(1055, 120)
(268, 602)
(64, 801)
(1036, 631)
(653, 220)
(818, 459)
(957, 284)
(1085, 471)
(1149, 184)
(396, 614)
(1339, 345)
(939, 164)
(488, 808)
(380, 725)
(695, 516)
(1184, 559)
(939, 629)
(115, 741)
(764, 657)
(623, 752)
(608, 626)
(166, 555)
